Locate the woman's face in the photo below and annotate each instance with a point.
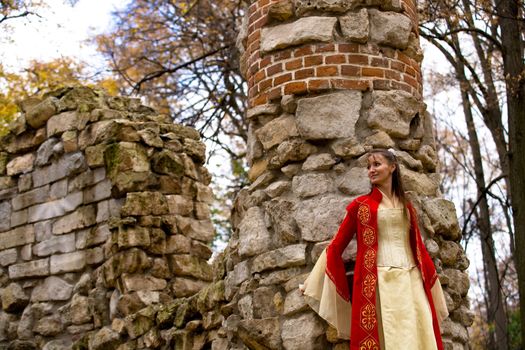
(379, 170)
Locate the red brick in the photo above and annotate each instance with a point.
(303, 51)
(267, 60)
(392, 74)
(349, 48)
(265, 85)
(276, 68)
(254, 68)
(260, 22)
(260, 100)
(316, 85)
(282, 79)
(296, 87)
(411, 81)
(274, 94)
(399, 66)
(294, 64)
(351, 84)
(379, 62)
(349, 70)
(304, 73)
(410, 71)
(372, 72)
(263, 3)
(335, 59)
(313, 60)
(404, 58)
(381, 84)
(260, 75)
(283, 55)
(325, 48)
(358, 59)
(326, 71)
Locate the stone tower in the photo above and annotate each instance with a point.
(328, 80)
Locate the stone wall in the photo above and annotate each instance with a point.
(103, 213)
(328, 81)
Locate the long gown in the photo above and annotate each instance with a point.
(404, 315)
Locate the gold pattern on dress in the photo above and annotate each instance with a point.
(363, 213)
(370, 259)
(369, 236)
(369, 344)
(368, 317)
(369, 285)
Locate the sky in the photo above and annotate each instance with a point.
(60, 30)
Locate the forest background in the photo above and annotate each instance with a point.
(181, 57)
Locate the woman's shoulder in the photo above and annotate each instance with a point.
(356, 202)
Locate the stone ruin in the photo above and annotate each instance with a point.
(104, 219)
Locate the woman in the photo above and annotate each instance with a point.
(397, 300)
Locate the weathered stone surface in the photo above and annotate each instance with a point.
(309, 185)
(419, 182)
(46, 151)
(260, 334)
(134, 283)
(8, 256)
(185, 287)
(17, 237)
(19, 218)
(337, 6)
(20, 165)
(319, 218)
(201, 230)
(33, 268)
(293, 150)
(145, 203)
(294, 302)
(278, 188)
(188, 265)
(354, 26)
(14, 298)
(305, 331)
(82, 217)
(58, 189)
(100, 191)
(281, 214)
(457, 281)
(380, 139)
(354, 181)
(55, 208)
(292, 255)
(180, 205)
(37, 115)
(48, 326)
(52, 289)
(280, 276)
(69, 164)
(321, 161)
(56, 244)
(5, 215)
(389, 28)
(253, 234)
(442, 214)
(269, 109)
(241, 272)
(301, 31)
(454, 330)
(277, 130)
(281, 11)
(328, 116)
(90, 237)
(125, 156)
(427, 155)
(169, 163)
(406, 158)
(450, 253)
(69, 262)
(81, 309)
(61, 344)
(392, 111)
(59, 123)
(134, 236)
(69, 141)
(105, 338)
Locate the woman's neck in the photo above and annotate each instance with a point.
(386, 189)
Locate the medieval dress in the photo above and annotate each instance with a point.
(397, 300)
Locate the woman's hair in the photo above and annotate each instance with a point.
(397, 183)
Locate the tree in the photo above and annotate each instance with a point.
(11, 9)
(483, 41)
(181, 56)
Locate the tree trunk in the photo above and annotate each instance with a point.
(496, 314)
(511, 37)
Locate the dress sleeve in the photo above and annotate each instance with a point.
(330, 299)
(335, 268)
